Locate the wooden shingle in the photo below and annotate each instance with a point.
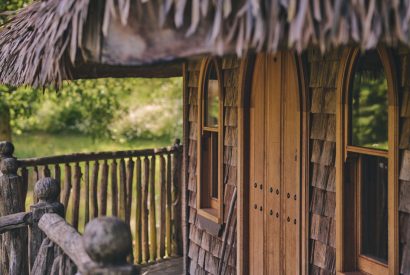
(405, 260)
(231, 136)
(192, 215)
(329, 105)
(405, 104)
(319, 254)
(192, 199)
(317, 201)
(319, 229)
(331, 180)
(319, 125)
(330, 204)
(316, 151)
(193, 251)
(404, 198)
(318, 98)
(231, 116)
(332, 233)
(201, 257)
(404, 225)
(328, 153)
(405, 166)
(405, 134)
(331, 128)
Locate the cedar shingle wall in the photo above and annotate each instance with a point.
(204, 249)
(322, 82)
(404, 176)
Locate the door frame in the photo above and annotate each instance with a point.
(244, 93)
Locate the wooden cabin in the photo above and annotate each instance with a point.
(296, 119)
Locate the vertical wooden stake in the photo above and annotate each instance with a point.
(94, 189)
(103, 189)
(144, 212)
(87, 193)
(114, 188)
(162, 200)
(137, 253)
(152, 216)
(123, 190)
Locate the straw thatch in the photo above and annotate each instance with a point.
(39, 46)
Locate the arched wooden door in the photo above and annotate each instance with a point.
(274, 167)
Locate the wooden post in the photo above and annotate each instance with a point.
(114, 188)
(168, 207)
(104, 189)
(87, 193)
(162, 201)
(138, 233)
(176, 200)
(67, 185)
(6, 149)
(123, 190)
(108, 242)
(130, 177)
(46, 191)
(76, 196)
(152, 216)
(14, 243)
(94, 189)
(144, 212)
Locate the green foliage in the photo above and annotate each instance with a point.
(11, 5)
(121, 109)
(43, 144)
(83, 106)
(369, 104)
(153, 109)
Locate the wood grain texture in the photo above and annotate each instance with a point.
(204, 256)
(323, 74)
(66, 237)
(13, 246)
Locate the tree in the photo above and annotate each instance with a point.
(5, 112)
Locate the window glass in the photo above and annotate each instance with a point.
(374, 224)
(211, 97)
(369, 103)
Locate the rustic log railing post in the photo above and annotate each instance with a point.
(177, 247)
(14, 243)
(108, 241)
(46, 191)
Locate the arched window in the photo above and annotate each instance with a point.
(368, 180)
(210, 143)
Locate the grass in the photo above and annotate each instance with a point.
(43, 144)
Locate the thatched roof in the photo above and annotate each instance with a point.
(46, 41)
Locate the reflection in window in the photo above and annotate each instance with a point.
(211, 98)
(369, 103)
(374, 224)
(210, 146)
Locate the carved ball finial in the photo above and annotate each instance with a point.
(47, 189)
(6, 149)
(8, 166)
(107, 240)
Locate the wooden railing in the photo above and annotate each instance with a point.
(142, 187)
(54, 246)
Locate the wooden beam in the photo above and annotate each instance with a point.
(80, 157)
(14, 221)
(163, 70)
(66, 237)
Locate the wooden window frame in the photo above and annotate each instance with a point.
(348, 258)
(215, 212)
